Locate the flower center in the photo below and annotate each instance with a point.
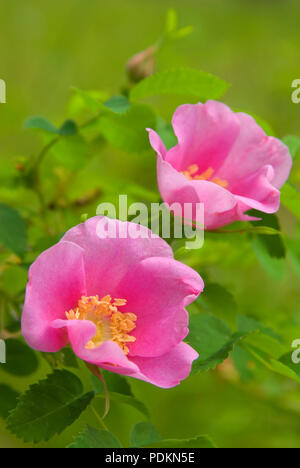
(192, 174)
(111, 324)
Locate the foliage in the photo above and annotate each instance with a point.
(48, 407)
(240, 326)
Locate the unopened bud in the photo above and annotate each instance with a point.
(141, 65)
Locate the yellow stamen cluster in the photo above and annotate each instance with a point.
(192, 174)
(111, 324)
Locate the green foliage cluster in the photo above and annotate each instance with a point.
(44, 194)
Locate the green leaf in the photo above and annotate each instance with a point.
(20, 359)
(8, 400)
(128, 131)
(212, 339)
(217, 300)
(264, 340)
(261, 337)
(171, 31)
(267, 344)
(40, 123)
(286, 359)
(247, 325)
(13, 231)
(220, 356)
(207, 335)
(183, 82)
(274, 267)
(181, 33)
(197, 442)
(273, 365)
(68, 128)
(144, 433)
(273, 244)
(293, 144)
(49, 407)
(118, 104)
(290, 198)
(262, 230)
(243, 362)
(95, 438)
(127, 400)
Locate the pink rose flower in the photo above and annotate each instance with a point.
(120, 303)
(224, 160)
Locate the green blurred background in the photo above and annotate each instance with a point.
(48, 47)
